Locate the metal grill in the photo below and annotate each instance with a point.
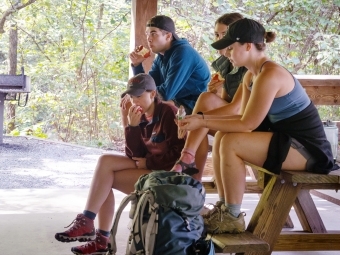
(12, 85)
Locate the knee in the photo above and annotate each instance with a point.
(228, 142)
(204, 102)
(103, 160)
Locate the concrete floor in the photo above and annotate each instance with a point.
(29, 218)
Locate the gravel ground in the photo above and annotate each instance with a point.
(27, 162)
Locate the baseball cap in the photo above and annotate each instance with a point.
(243, 31)
(163, 22)
(138, 84)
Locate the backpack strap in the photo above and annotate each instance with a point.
(113, 231)
(152, 226)
(136, 234)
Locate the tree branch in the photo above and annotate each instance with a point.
(100, 40)
(14, 8)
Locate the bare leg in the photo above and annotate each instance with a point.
(201, 157)
(198, 138)
(216, 158)
(235, 148)
(110, 172)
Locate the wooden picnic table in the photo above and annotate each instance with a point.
(279, 193)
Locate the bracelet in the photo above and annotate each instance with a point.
(201, 113)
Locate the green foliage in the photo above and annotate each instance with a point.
(308, 32)
(35, 130)
(76, 53)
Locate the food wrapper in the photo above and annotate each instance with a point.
(141, 50)
(180, 115)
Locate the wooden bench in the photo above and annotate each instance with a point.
(235, 243)
(279, 193)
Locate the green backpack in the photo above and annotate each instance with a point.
(165, 215)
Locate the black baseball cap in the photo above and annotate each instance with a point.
(243, 31)
(138, 84)
(163, 22)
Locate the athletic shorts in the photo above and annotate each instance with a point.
(305, 153)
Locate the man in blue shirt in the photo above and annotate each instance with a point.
(180, 73)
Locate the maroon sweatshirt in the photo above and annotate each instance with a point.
(157, 140)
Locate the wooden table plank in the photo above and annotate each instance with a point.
(306, 177)
(244, 242)
(300, 241)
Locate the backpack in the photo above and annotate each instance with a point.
(165, 215)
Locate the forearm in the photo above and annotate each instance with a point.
(232, 124)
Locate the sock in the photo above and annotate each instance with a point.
(89, 214)
(104, 233)
(234, 209)
(222, 199)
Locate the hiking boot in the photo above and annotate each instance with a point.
(221, 221)
(82, 231)
(209, 212)
(95, 247)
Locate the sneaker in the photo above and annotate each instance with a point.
(209, 212)
(82, 230)
(221, 221)
(96, 247)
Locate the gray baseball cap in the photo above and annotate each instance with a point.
(140, 83)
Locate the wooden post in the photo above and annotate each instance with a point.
(2, 109)
(12, 56)
(141, 12)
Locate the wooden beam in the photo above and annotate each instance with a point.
(322, 89)
(141, 12)
(301, 241)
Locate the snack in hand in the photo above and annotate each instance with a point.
(212, 86)
(139, 109)
(141, 50)
(180, 115)
(217, 77)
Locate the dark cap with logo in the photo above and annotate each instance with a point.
(163, 22)
(140, 83)
(243, 31)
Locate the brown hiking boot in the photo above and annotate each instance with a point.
(221, 221)
(95, 247)
(82, 230)
(209, 212)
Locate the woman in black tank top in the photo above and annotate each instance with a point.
(270, 146)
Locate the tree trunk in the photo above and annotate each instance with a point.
(12, 57)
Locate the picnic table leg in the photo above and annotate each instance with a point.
(308, 213)
(272, 211)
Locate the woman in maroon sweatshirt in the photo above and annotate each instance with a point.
(151, 144)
